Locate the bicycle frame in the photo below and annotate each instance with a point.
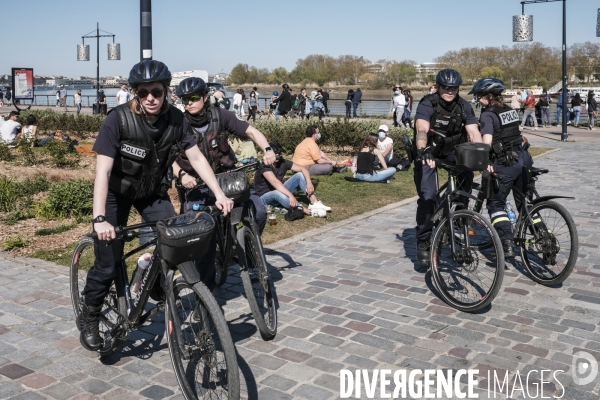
(450, 194)
(135, 307)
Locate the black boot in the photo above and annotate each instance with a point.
(90, 335)
(423, 251)
(507, 246)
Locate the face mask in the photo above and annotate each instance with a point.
(396, 93)
(252, 95)
(381, 135)
(319, 136)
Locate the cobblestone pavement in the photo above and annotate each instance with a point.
(350, 297)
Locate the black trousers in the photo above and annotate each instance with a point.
(426, 183)
(509, 176)
(108, 253)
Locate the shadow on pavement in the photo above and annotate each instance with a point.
(408, 237)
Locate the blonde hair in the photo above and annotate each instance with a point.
(136, 105)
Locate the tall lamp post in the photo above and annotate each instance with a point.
(523, 32)
(145, 30)
(83, 51)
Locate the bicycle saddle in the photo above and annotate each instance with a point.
(538, 171)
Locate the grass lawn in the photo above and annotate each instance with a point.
(346, 199)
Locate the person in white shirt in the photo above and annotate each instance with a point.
(398, 104)
(10, 128)
(122, 95)
(385, 144)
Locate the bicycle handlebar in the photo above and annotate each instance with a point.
(126, 232)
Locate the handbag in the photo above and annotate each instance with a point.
(184, 237)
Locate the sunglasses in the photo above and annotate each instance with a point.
(156, 93)
(194, 98)
(449, 88)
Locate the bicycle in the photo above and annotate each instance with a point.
(540, 234)
(238, 229)
(467, 276)
(200, 345)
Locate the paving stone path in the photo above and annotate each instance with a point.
(350, 297)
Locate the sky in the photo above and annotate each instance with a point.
(217, 35)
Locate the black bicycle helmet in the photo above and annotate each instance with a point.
(192, 86)
(487, 85)
(448, 77)
(286, 86)
(149, 71)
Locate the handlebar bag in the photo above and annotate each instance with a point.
(184, 237)
(472, 156)
(235, 185)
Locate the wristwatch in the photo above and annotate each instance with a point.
(99, 218)
(268, 149)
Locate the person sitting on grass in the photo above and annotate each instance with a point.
(364, 162)
(385, 144)
(308, 155)
(269, 185)
(29, 131)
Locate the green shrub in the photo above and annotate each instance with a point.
(81, 125)
(18, 215)
(55, 231)
(8, 194)
(66, 199)
(14, 242)
(5, 154)
(26, 152)
(60, 155)
(31, 186)
(341, 135)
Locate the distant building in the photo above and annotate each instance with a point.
(56, 81)
(426, 69)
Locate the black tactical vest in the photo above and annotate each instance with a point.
(449, 120)
(213, 144)
(141, 163)
(508, 133)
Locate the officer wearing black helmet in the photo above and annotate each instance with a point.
(443, 111)
(136, 145)
(210, 126)
(499, 126)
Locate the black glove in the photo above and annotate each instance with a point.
(425, 154)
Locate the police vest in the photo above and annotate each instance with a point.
(449, 120)
(508, 134)
(141, 164)
(213, 144)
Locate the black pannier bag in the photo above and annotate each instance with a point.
(184, 237)
(235, 185)
(472, 156)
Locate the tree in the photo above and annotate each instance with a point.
(239, 74)
(491, 72)
(279, 76)
(402, 73)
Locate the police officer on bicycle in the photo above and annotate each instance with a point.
(444, 112)
(137, 143)
(210, 127)
(499, 126)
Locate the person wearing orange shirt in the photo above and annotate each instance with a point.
(308, 154)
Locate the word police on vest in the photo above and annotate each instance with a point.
(442, 121)
(509, 116)
(134, 151)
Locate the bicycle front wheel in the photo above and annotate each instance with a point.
(258, 285)
(210, 369)
(550, 246)
(114, 309)
(470, 278)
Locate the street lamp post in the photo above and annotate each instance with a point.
(523, 32)
(83, 51)
(145, 30)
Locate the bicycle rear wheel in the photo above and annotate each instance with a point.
(470, 279)
(114, 308)
(223, 256)
(258, 285)
(550, 246)
(211, 370)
